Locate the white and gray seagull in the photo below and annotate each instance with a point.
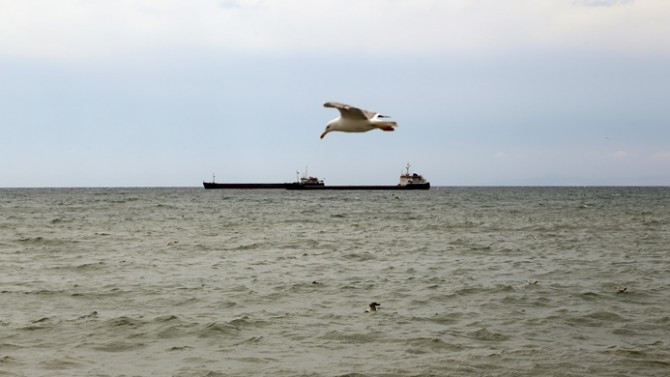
(353, 119)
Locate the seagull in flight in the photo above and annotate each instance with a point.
(353, 119)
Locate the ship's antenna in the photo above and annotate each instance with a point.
(408, 165)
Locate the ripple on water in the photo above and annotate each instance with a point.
(120, 346)
(431, 345)
(486, 335)
(352, 337)
(218, 330)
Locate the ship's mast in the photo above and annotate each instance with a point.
(407, 167)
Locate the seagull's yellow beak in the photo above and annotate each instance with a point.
(324, 134)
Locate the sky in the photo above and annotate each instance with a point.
(485, 92)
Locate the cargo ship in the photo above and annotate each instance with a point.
(408, 181)
(304, 181)
(214, 185)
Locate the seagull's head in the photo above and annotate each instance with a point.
(329, 127)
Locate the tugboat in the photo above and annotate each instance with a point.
(407, 182)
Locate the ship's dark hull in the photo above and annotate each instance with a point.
(423, 186)
(211, 185)
(300, 186)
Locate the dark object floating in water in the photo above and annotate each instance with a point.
(621, 289)
(374, 306)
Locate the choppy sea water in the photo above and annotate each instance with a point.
(471, 281)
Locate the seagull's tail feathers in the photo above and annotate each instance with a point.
(386, 125)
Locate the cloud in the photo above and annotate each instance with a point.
(229, 4)
(662, 156)
(72, 29)
(620, 155)
(602, 3)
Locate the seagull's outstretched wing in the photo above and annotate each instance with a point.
(350, 112)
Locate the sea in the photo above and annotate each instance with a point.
(472, 281)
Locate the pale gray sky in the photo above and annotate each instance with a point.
(486, 92)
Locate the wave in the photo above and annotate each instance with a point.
(217, 329)
(484, 334)
(433, 344)
(7, 361)
(354, 338)
(120, 346)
